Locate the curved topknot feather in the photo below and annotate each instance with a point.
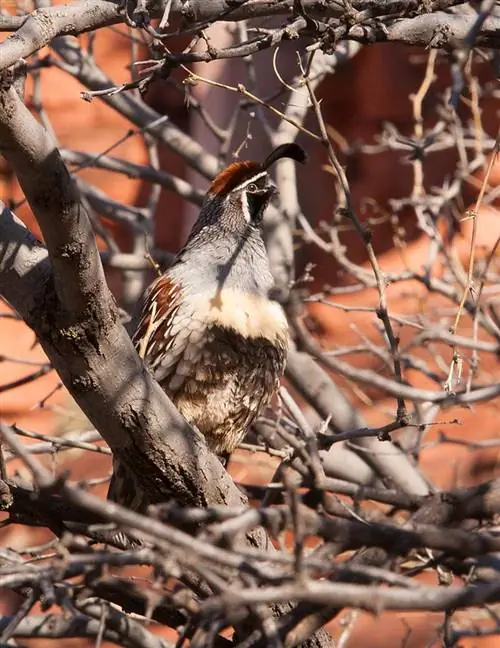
(290, 150)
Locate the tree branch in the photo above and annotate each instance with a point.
(442, 23)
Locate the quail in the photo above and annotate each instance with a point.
(208, 330)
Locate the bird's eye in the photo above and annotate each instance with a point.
(252, 188)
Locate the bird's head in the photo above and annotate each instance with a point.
(238, 196)
(226, 243)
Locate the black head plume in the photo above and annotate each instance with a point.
(290, 150)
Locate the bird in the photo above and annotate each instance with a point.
(208, 330)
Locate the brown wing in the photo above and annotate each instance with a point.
(155, 338)
(169, 334)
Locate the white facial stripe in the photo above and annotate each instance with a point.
(244, 207)
(250, 180)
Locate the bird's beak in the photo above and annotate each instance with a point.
(270, 190)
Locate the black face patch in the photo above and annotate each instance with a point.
(257, 202)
